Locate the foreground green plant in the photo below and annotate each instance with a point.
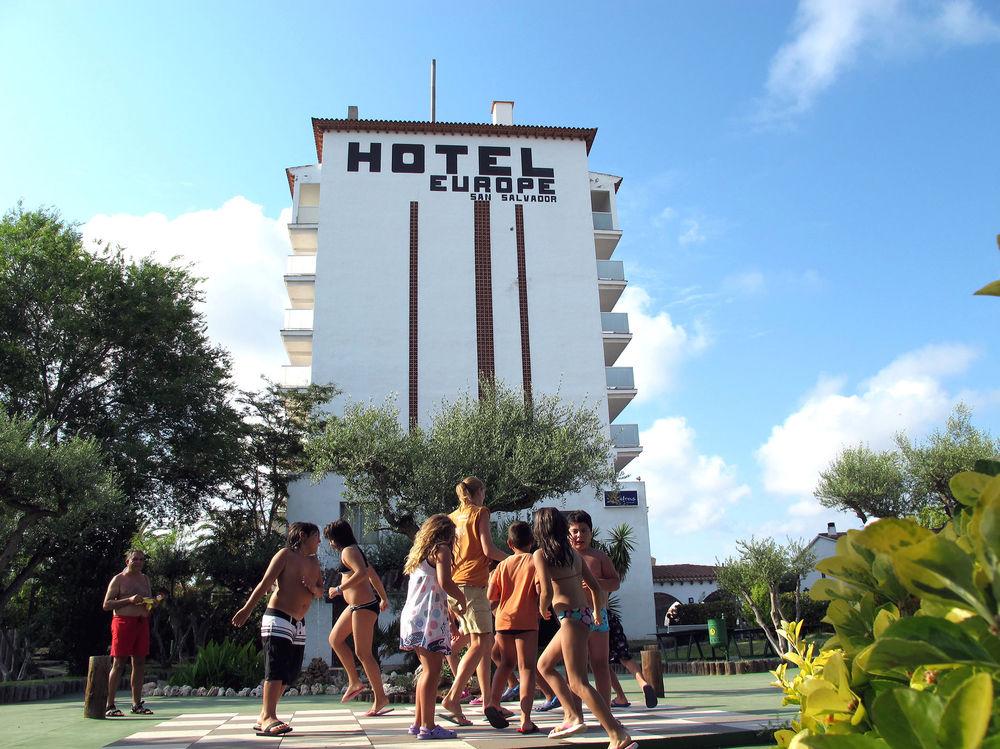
(915, 658)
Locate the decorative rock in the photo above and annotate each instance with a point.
(245, 692)
(150, 685)
(201, 692)
(213, 692)
(331, 689)
(293, 692)
(186, 690)
(257, 692)
(316, 689)
(158, 692)
(230, 692)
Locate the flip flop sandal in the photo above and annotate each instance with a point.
(630, 744)
(563, 731)
(348, 696)
(141, 709)
(534, 729)
(495, 717)
(113, 712)
(275, 728)
(458, 721)
(626, 703)
(650, 695)
(378, 713)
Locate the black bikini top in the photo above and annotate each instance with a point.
(344, 567)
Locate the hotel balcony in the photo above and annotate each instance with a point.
(616, 333)
(610, 282)
(606, 234)
(293, 376)
(625, 439)
(621, 389)
(297, 335)
(300, 281)
(304, 229)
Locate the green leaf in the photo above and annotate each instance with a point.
(829, 589)
(922, 641)
(842, 741)
(967, 713)
(890, 534)
(908, 719)
(989, 467)
(967, 486)
(939, 569)
(990, 289)
(854, 630)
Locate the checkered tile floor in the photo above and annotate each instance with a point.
(348, 729)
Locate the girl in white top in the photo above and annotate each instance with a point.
(424, 625)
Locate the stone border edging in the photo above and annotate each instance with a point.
(11, 693)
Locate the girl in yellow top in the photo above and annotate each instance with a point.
(474, 548)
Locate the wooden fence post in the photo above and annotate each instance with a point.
(95, 696)
(652, 668)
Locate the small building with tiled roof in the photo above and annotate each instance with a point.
(686, 583)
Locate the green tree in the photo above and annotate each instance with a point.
(865, 482)
(524, 453)
(910, 481)
(97, 345)
(276, 423)
(48, 492)
(755, 576)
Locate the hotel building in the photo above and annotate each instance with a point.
(430, 256)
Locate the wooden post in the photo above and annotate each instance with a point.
(652, 668)
(95, 696)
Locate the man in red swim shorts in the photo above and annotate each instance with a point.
(129, 629)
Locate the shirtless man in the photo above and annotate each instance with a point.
(299, 579)
(126, 597)
(581, 533)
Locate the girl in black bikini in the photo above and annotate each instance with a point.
(365, 597)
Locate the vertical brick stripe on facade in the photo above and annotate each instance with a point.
(413, 403)
(522, 300)
(484, 294)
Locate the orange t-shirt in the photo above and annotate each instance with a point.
(512, 586)
(470, 565)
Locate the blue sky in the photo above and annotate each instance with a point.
(810, 194)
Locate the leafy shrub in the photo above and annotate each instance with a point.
(224, 664)
(700, 613)
(915, 658)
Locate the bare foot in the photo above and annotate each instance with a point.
(453, 706)
(353, 690)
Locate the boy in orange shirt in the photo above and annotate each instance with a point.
(513, 588)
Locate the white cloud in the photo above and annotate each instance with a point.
(830, 35)
(659, 345)
(692, 233)
(907, 395)
(690, 490)
(240, 254)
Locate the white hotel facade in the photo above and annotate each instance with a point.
(429, 256)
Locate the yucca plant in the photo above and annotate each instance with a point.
(224, 664)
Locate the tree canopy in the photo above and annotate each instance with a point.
(910, 481)
(98, 345)
(524, 453)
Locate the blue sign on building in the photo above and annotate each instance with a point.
(624, 498)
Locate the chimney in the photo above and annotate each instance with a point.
(352, 112)
(653, 561)
(831, 529)
(503, 112)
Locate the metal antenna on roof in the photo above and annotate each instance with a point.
(434, 63)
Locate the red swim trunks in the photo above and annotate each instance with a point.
(129, 636)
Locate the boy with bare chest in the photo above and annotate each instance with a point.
(299, 579)
(581, 534)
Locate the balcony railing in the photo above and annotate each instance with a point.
(603, 221)
(620, 378)
(625, 435)
(610, 270)
(300, 265)
(296, 377)
(298, 319)
(307, 214)
(614, 322)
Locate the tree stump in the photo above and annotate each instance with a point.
(95, 697)
(652, 668)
